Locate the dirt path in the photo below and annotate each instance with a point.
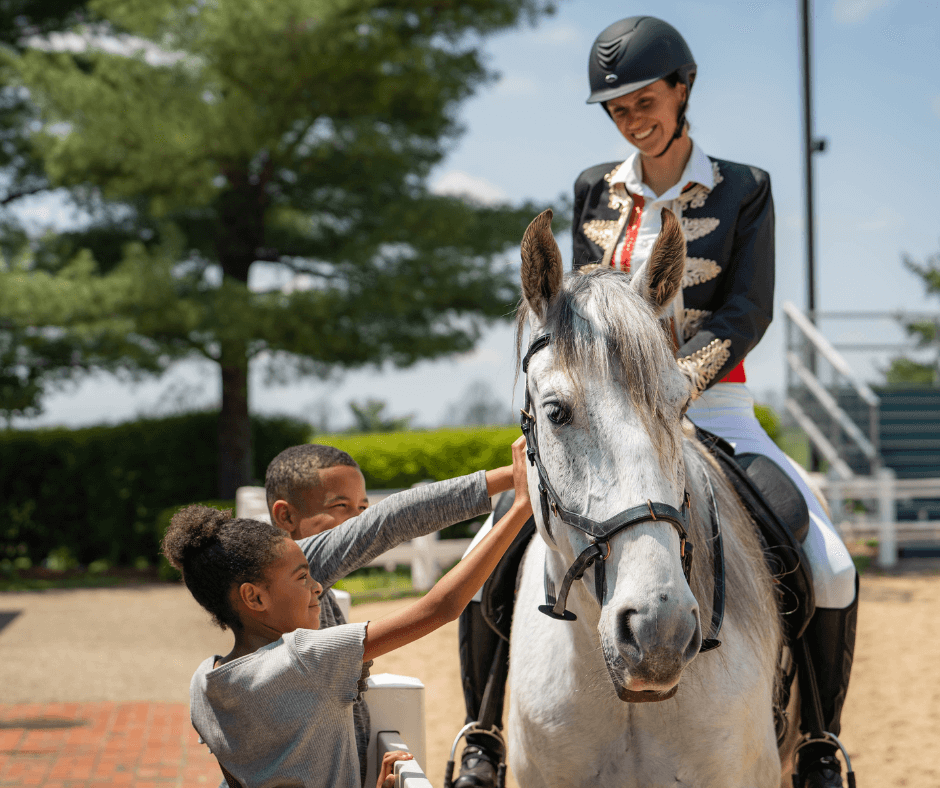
(143, 644)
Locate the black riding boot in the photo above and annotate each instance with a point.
(484, 659)
(831, 640)
(478, 648)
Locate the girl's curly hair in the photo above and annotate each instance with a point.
(215, 552)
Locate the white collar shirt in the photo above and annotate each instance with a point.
(629, 176)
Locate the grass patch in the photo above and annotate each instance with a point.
(862, 563)
(372, 583)
(43, 579)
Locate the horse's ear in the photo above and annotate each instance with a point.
(661, 277)
(542, 272)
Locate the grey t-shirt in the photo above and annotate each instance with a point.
(282, 716)
(351, 545)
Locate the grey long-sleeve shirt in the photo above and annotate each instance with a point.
(351, 545)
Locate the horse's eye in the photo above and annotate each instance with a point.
(558, 413)
(685, 407)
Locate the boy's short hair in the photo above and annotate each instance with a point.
(294, 471)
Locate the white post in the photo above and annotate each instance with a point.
(887, 516)
(396, 705)
(834, 498)
(424, 568)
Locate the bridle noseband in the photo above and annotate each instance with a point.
(600, 533)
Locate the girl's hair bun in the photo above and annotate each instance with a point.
(191, 529)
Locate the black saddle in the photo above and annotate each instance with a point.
(779, 510)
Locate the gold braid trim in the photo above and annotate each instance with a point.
(698, 228)
(704, 364)
(602, 231)
(698, 270)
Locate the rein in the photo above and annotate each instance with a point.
(601, 532)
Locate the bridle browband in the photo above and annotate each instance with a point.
(601, 532)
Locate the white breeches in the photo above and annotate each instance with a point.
(727, 409)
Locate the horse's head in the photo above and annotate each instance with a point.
(607, 398)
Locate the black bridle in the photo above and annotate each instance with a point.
(601, 532)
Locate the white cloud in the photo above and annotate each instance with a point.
(462, 184)
(849, 12)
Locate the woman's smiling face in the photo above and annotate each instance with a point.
(647, 117)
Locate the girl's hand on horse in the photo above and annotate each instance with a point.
(520, 479)
(450, 595)
(386, 775)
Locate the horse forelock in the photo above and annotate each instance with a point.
(601, 327)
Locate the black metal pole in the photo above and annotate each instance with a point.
(809, 147)
(808, 150)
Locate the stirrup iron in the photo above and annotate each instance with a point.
(826, 738)
(475, 727)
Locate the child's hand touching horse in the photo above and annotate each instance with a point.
(452, 592)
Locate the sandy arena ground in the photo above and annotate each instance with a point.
(144, 643)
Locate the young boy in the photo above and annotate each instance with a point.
(311, 489)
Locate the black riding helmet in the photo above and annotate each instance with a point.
(634, 53)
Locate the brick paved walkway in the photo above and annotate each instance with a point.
(100, 745)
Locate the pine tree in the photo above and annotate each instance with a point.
(222, 149)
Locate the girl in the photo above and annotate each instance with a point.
(277, 710)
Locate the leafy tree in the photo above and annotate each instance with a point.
(30, 360)
(903, 370)
(369, 417)
(283, 144)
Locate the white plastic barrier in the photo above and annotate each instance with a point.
(396, 708)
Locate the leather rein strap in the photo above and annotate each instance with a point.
(601, 532)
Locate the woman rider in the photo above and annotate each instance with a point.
(641, 72)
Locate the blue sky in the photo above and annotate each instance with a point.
(528, 135)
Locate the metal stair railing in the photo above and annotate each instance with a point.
(805, 346)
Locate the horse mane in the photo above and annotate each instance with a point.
(601, 326)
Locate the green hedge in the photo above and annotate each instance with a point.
(392, 460)
(97, 492)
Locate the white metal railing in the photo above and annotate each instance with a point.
(818, 439)
(827, 351)
(818, 344)
(425, 555)
(885, 490)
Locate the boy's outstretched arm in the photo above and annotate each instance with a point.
(405, 515)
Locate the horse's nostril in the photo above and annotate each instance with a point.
(625, 634)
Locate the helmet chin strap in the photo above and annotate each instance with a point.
(680, 127)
